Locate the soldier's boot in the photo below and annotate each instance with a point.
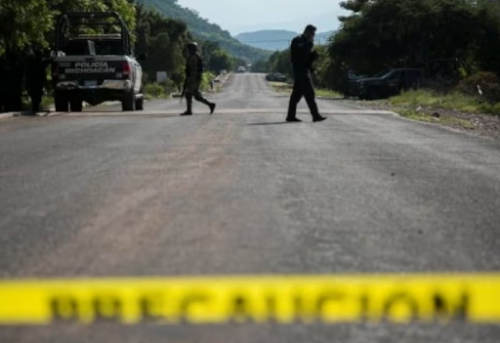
(189, 102)
(199, 97)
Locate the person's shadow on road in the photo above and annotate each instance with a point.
(271, 123)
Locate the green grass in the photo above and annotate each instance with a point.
(47, 102)
(412, 114)
(425, 117)
(459, 122)
(155, 91)
(281, 87)
(326, 93)
(453, 101)
(284, 87)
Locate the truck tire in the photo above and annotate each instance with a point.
(61, 102)
(76, 105)
(128, 102)
(139, 104)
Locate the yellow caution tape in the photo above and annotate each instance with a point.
(280, 299)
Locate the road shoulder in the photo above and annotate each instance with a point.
(47, 113)
(482, 125)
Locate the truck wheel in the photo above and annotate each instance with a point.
(128, 102)
(76, 105)
(139, 104)
(61, 102)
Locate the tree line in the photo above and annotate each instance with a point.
(206, 30)
(384, 34)
(28, 26)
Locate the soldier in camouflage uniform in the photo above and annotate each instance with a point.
(194, 74)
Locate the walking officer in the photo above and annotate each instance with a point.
(303, 57)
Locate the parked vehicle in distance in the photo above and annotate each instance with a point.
(386, 83)
(276, 77)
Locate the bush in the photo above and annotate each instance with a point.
(205, 82)
(488, 82)
(491, 108)
(155, 90)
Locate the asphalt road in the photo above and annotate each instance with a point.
(150, 193)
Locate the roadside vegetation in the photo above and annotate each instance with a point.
(161, 38)
(456, 101)
(286, 88)
(204, 30)
(461, 38)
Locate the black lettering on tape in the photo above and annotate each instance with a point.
(187, 302)
(299, 308)
(364, 302)
(271, 307)
(399, 300)
(445, 309)
(107, 307)
(64, 308)
(149, 307)
(240, 311)
(323, 300)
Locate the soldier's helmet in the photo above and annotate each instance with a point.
(192, 47)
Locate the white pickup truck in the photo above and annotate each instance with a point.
(95, 66)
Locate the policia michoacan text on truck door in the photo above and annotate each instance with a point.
(93, 65)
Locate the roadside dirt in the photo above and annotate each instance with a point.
(484, 125)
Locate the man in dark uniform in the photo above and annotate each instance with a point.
(194, 74)
(12, 81)
(36, 75)
(3, 88)
(302, 59)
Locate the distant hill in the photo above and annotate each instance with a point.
(276, 39)
(203, 29)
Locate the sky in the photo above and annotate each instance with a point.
(239, 16)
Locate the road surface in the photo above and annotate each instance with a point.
(106, 193)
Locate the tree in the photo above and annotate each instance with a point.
(280, 62)
(208, 48)
(488, 32)
(28, 25)
(164, 41)
(23, 24)
(220, 60)
(260, 66)
(404, 33)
